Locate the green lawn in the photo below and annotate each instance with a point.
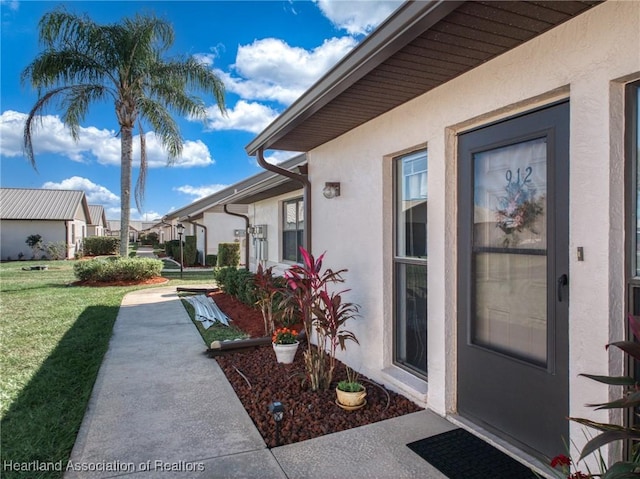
(53, 339)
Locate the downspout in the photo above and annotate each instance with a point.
(246, 234)
(205, 238)
(306, 197)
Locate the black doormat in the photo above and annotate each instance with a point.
(459, 454)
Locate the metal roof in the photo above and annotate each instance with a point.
(39, 204)
(96, 212)
(422, 45)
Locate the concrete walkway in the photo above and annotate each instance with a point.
(161, 408)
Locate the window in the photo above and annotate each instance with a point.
(410, 262)
(292, 229)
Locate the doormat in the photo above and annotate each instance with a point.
(459, 454)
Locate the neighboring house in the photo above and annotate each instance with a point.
(58, 216)
(225, 216)
(98, 224)
(136, 227)
(486, 155)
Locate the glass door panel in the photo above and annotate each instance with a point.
(509, 250)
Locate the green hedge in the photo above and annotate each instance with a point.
(238, 283)
(117, 269)
(228, 254)
(211, 260)
(190, 251)
(172, 248)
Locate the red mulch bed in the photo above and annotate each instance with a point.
(307, 414)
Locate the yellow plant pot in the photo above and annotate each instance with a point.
(351, 400)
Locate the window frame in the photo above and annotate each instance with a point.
(299, 202)
(399, 261)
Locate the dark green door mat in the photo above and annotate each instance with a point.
(459, 454)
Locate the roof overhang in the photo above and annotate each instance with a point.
(265, 184)
(421, 46)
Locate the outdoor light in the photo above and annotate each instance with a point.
(180, 228)
(277, 410)
(331, 190)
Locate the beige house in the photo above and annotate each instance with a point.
(228, 215)
(58, 216)
(98, 225)
(473, 165)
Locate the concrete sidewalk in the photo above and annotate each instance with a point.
(161, 408)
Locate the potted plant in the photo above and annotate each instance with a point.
(285, 344)
(350, 392)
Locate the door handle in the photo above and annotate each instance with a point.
(563, 280)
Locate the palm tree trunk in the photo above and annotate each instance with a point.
(126, 160)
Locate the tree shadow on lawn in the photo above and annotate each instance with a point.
(43, 421)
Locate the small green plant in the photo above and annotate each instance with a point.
(35, 243)
(351, 384)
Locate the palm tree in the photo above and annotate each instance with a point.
(83, 63)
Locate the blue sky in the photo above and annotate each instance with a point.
(266, 52)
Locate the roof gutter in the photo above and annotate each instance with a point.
(246, 234)
(306, 198)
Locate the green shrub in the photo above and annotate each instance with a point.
(117, 269)
(221, 276)
(228, 254)
(56, 250)
(149, 238)
(237, 282)
(172, 247)
(190, 251)
(101, 245)
(211, 260)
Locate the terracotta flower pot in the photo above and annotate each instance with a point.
(285, 352)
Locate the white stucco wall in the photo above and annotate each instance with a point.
(269, 212)
(586, 60)
(220, 227)
(13, 234)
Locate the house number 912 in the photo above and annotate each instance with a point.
(527, 177)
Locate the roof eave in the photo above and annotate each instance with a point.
(397, 31)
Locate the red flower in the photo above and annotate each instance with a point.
(560, 460)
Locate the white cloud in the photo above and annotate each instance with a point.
(270, 69)
(52, 136)
(12, 4)
(145, 216)
(96, 194)
(206, 59)
(245, 116)
(357, 17)
(200, 191)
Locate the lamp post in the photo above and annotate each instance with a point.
(180, 229)
(277, 410)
